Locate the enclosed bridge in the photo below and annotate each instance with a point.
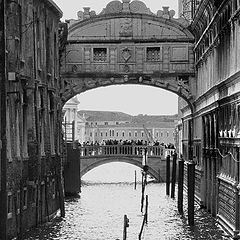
(126, 43)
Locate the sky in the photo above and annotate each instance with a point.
(132, 100)
(71, 7)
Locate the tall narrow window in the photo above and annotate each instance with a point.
(55, 57)
(9, 205)
(24, 125)
(17, 130)
(51, 121)
(9, 142)
(41, 123)
(39, 43)
(53, 189)
(18, 200)
(48, 54)
(25, 198)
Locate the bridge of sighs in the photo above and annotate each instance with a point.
(126, 43)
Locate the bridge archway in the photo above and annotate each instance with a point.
(128, 44)
(136, 162)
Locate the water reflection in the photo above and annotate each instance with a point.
(98, 215)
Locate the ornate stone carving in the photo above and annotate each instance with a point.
(183, 84)
(74, 68)
(125, 78)
(90, 83)
(126, 68)
(126, 6)
(138, 7)
(126, 54)
(113, 7)
(126, 27)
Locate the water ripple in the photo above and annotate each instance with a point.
(98, 215)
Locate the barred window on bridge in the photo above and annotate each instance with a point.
(99, 54)
(153, 54)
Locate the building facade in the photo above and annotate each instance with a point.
(102, 126)
(213, 128)
(187, 8)
(31, 189)
(73, 122)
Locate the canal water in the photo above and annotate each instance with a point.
(98, 215)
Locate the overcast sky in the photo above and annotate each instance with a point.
(71, 7)
(131, 99)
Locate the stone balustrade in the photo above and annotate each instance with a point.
(132, 150)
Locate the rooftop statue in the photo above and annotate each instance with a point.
(125, 7)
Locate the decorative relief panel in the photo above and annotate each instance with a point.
(126, 68)
(152, 67)
(100, 67)
(113, 7)
(179, 53)
(74, 54)
(126, 54)
(138, 7)
(126, 27)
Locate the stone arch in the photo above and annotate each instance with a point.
(153, 173)
(177, 88)
(128, 32)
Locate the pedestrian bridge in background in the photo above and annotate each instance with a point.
(81, 160)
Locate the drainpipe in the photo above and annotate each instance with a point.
(3, 124)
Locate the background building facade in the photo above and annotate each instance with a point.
(90, 127)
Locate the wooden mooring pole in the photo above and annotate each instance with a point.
(174, 169)
(135, 180)
(191, 192)
(125, 226)
(145, 219)
(143, 189)
(168, 175)
(146, 210)
(180, 185)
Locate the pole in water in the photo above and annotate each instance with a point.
(174, 167)
(191, 191)
(143, 188)
(146, 210)
(135, 180)
(180, 185)
(168, 175)
(125, 226)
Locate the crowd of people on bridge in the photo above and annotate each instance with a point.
(127, 142)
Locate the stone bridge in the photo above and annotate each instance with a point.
(83, 159)
(128, 44)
